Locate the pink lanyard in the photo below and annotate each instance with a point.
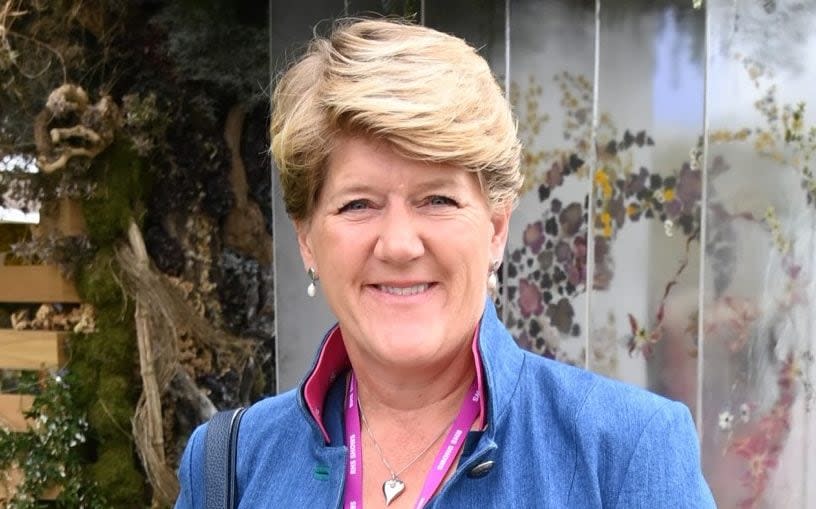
(455, 440)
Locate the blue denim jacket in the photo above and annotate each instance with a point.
(557, 436)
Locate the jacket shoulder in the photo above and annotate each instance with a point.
(589, 398)
(269, 412)
(636, 448)
(263, 416)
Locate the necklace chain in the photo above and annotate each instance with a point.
(395, 475)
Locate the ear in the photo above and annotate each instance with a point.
(500, 219)
(303, 230)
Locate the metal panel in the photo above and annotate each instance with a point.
(758, 322)
(551, 87)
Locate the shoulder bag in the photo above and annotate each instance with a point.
(220, 451)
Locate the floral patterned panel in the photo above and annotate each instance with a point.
(646, 192)
(644, 170)
(552, 56)
(758, 422)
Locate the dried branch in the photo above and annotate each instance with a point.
(162, 316)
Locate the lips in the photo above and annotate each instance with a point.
(403, 291)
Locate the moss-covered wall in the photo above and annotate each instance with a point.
(174, 71)
(104, 364)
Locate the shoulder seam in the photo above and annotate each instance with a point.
(506, 409)
(575, 435)
(660, 410)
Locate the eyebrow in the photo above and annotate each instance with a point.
(434, 183)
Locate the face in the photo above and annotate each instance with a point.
(402, 249)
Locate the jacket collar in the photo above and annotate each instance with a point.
(502, 361)
(498, 365)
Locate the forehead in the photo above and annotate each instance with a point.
(359, 161)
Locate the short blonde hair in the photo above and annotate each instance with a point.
(428, 94)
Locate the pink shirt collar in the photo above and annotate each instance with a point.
(333, 361)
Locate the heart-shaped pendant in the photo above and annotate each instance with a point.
(392, 488)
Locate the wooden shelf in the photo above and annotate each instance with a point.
(31, 349)
(35, 284)
(14, 478)
(12, 411)
(62, 217)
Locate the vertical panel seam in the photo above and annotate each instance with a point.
(593, 162)
(272, 189)
(503, 290)
(698, 417)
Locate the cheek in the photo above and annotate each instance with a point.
(339, 249)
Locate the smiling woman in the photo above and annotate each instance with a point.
(380, 237)
(399, 163)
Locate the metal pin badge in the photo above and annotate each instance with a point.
(481, 469)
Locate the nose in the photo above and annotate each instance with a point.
(399, 238)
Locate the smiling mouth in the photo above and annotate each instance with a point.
(404, 290)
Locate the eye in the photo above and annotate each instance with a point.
(439, 200)
(354, 205)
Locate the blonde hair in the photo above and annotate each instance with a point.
(428, 94)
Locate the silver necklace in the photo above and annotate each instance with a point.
(394, 486)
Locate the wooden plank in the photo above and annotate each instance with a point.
(62, 217)
(31, 349)
(12, 408)
(35, 284)
(10, 479)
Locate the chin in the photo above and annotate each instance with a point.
(407, 343)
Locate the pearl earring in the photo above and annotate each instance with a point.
(311, 290)
(493, 278)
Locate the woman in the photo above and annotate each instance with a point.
(399, 164)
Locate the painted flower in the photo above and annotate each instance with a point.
(689, 188)
(673, 209)
(604, 221)
(529, 299)
(725, 421)
(745, 412)
(636, 182)
(603, 264)
(523, 341)
(561, 315)
(603, 184)
(578, 274)
(563, 253)
(534, 236)
(554, 177)
(571, 219)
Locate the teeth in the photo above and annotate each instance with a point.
(411, 290)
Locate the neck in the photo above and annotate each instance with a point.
(403, 394)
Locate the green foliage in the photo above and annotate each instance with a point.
(120, 186)
(11, 234)
(144, 122)
(106, 358)
(406, 8)
(83, 376)
(49, 451)
(111, 412)
(117, 478)
(115, 349)
(202, 41)
(96, 283)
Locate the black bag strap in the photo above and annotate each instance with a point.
(220, 451)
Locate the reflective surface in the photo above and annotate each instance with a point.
(667, 230)
(552, 47)
(759, 266)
